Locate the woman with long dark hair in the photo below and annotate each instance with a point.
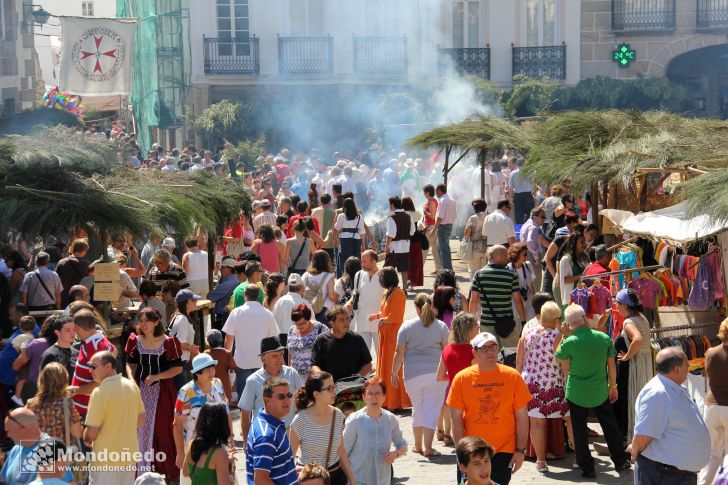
(390, 318)
(154, 360)
(208, 460)
(312, 430)
(349, 232)
(273, 290)
(416, 269)
(573, 261)
(344, 286)
(270, 250)
(320, 275)
(443, 301)
(181, 328)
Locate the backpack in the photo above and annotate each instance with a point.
(315, 295)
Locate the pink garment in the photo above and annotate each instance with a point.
(602, 298)
(269, 256)
(647, 289)
(714, 267)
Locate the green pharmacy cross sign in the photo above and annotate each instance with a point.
(624, 56)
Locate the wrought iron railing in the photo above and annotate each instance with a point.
(712, 14)
(305, 55)
(231, 56)
(540, 62)
(469, 61)
(380, 55)
(643, 15)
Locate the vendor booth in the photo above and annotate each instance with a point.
(690, 302)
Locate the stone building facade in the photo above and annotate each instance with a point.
(684, 40)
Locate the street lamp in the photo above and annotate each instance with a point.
(39, 16)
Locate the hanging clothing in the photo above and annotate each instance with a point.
(701, 296)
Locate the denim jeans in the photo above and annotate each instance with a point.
(443, 245)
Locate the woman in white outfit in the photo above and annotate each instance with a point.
(419, 344)
(195, 265)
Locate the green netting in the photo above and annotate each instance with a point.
(159, 79)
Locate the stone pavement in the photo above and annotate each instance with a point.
(414, 469)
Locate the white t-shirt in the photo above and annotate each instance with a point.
(181, 328)
(126, 285)
(250, 324)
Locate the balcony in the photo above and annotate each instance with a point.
(466, 62)
(643, 15)
(380, 56)
(712, 14)
(305, 55)
(231, 56)
(540, 62)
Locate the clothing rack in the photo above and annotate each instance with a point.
(691, 326)
(622, 271)
(626, 241)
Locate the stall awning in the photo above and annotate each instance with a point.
(671, 224)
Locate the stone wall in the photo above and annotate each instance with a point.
(654, 50)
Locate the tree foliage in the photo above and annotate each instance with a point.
(223, 120)
(531, 97)
(248, 151)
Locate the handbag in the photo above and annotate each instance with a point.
(503, 325)
(465, 249)
(74, 448)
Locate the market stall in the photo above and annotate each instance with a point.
(690, 251)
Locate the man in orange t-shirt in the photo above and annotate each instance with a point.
(490, 400)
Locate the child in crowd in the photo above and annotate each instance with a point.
(225, 363)
(20, 343)
(474, 456)
(347, 408)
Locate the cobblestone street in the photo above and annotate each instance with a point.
(414, 469)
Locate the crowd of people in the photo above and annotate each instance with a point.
(305, 305)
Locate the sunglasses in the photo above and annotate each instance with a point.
(282, 397)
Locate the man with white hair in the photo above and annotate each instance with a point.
(584, 353)
(170, 244)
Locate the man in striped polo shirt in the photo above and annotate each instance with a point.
(82, 382)
(496, 289)
(268, 457)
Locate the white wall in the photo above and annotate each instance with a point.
(48, 37)
(342, 20)
(426, 23)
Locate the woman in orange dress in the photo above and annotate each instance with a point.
(390, 316)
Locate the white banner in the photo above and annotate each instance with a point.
(96, 56)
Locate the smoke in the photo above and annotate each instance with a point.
(458, 100)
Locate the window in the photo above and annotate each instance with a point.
(87, 9)
(465, 24)
(541, 23)
(8, 106)
(2, 21)
(381, 18)
(307, 18)
(233, 22)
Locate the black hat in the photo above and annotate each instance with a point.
(270, 344)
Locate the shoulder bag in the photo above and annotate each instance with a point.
(504, 326)
(40, 280)
(292, 267)
(331, 441)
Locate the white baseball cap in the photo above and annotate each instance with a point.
(482, 339)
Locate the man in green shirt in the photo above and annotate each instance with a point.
(254, 274)
(587, 357)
